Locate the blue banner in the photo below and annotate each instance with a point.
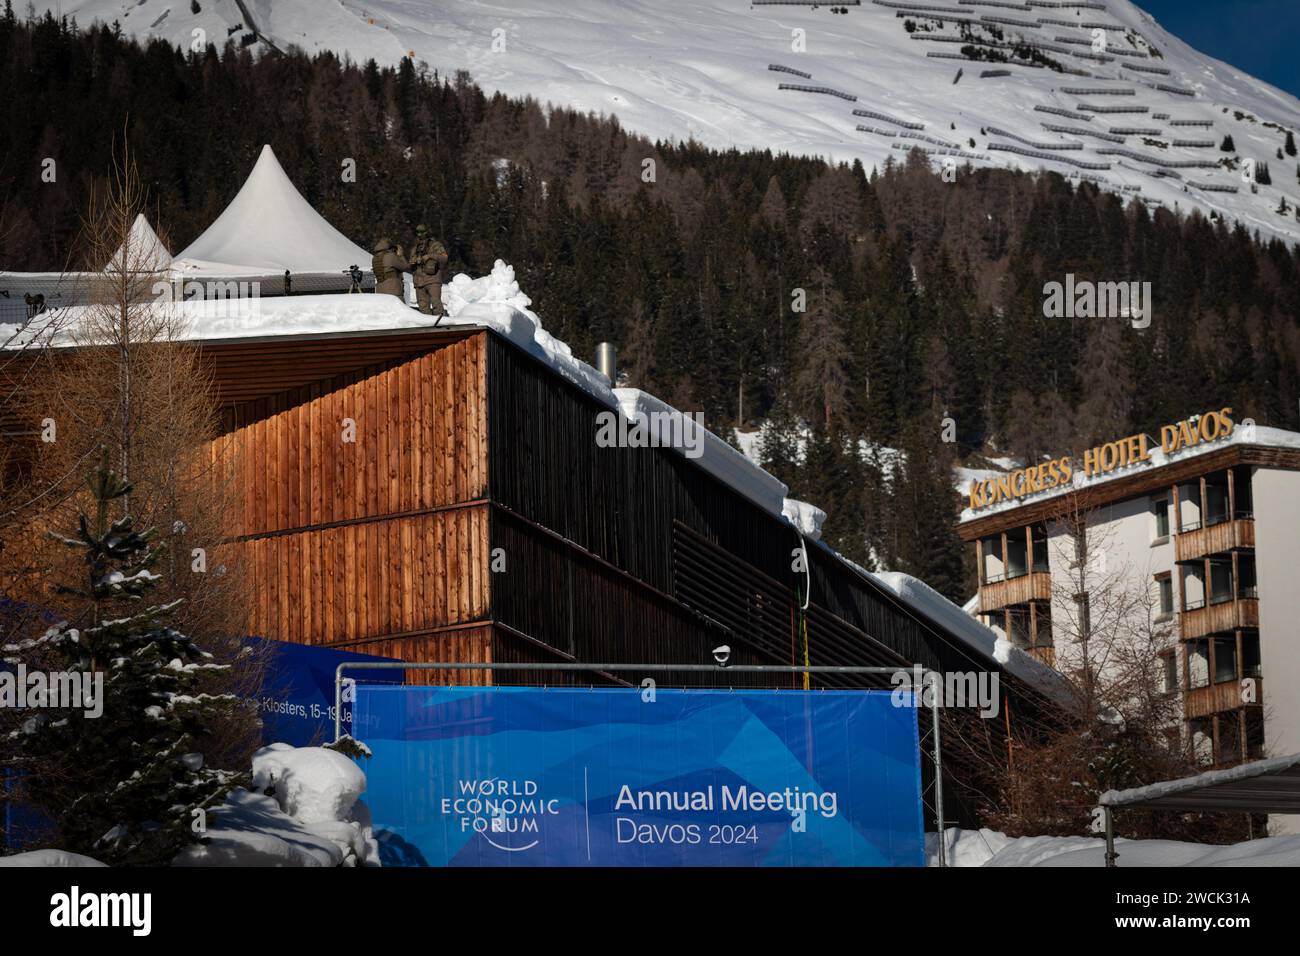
(521, 776)
(297, 699)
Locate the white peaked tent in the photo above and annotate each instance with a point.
(268, 228)
(146, 251)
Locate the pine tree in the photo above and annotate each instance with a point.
(1290, 143)
(123, 785)
(1228, 146)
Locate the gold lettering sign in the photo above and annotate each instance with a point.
(1100, 460)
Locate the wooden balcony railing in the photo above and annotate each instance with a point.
(1034, 586)
(1219, 618)
(1224, 536)
(1216, 698)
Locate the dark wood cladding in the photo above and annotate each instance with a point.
(1224, 536)
(619, 505)
(1130, 486)
(1034, 586)
(1219, 618)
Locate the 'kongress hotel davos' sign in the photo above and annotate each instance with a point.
(1100, 460)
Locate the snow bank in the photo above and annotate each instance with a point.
(311, 817)
(804, 516)
(49, 858)
(496, 301)
(312, 784)
(990, 848)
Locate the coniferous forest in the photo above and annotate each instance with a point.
(854, 310)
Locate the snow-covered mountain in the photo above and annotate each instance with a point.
(1137, 109)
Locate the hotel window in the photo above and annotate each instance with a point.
(1201, 732)
(1250, 665)
(1248, 586)
(1198, 663)
(1160, 510)
(1225, 659)
(1039, 533)
(1254, 732)
(1189, 507)
(1193, 587)
(1243, 497)
(991, 550)
(1043, 620)
(1017, 554)
(1165, 584)
(1216, 499)
(1230, 738)
(1018, 619)
(1220, 581)
(1169, 671)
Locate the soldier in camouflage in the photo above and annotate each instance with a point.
(428, 260)
(388, 265)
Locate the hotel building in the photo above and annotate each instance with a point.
(1204, 517)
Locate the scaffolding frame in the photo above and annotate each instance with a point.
(929, 678)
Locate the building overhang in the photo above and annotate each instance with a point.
(1051, 506)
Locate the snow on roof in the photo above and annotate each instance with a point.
(715, 456)
(495, 301)
(1215, 789)
(268, 228)
(1245, 433)
(142, 251)
(920, 596)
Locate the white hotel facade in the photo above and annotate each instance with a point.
(1207, 536)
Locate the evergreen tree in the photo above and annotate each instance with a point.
(1290, 143)
(1228, 146)
(924, 513)
(122, 785)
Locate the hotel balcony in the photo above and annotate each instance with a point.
(1034, 586)
(1197, 621)
(1215, 539)
(1217, 698)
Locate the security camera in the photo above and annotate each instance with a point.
(722, 654)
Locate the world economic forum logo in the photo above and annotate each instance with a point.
(507, 813)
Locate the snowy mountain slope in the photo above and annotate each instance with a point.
(674, 69)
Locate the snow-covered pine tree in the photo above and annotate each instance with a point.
(123, 786)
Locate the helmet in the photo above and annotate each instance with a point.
(382, 245)
(421, 229)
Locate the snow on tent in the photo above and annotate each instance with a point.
(141, 252)
(269, 229)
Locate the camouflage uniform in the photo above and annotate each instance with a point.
(428, 260)
(388, 265)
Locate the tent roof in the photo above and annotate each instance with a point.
(1264, 786)
(146, 253)
(268, 228)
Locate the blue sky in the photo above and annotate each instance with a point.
(1260, 37)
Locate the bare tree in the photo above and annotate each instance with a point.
(118, 374)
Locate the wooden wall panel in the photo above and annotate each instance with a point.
(419, 429)
(357, 581)
(469, 645)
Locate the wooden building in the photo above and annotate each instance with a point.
(439, 495)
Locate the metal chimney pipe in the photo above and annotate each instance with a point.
(607, 361)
